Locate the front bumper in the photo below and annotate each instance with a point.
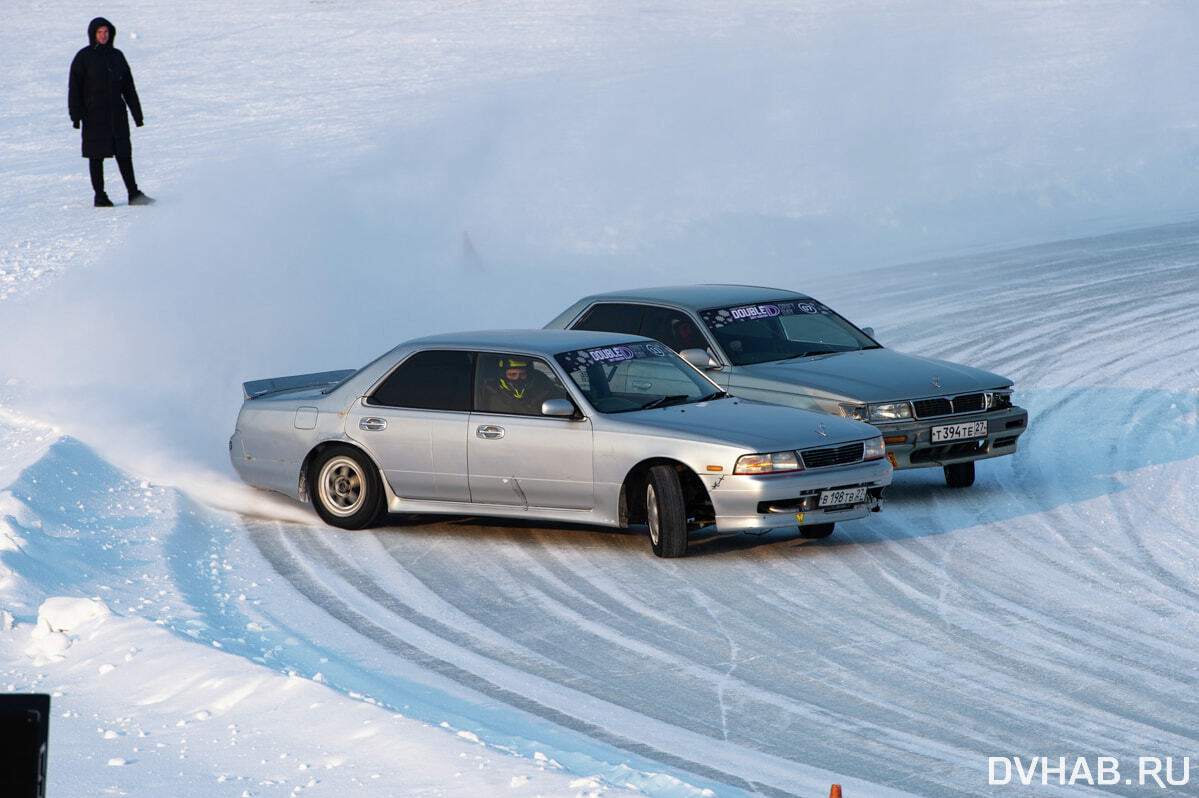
(910, 445)
(782, 500)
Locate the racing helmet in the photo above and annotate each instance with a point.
(511, 381)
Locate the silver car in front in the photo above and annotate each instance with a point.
(553, 425)
(781, 346)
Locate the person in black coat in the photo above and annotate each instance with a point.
(100, 90)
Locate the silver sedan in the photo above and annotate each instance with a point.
(784, 347)
(553, 425)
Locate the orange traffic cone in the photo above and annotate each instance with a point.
(835, 791)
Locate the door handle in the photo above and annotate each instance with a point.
(489, 431)
(372, 424)
(642, 385)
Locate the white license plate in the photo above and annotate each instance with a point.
(833, 498)
(957, 432)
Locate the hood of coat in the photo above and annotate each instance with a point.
(94, 25)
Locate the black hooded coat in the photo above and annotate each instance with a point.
(100, 89)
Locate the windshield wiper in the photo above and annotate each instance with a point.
(715, 395)
(662, 401)
(816, 352)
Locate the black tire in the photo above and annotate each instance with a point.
(345, 488)
(665, 512)
(816, 531)
(959, 475)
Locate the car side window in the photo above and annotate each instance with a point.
(673, 328)
(612, 317)
(432, 380)
(514, 384)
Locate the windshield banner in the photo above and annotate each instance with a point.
(721, 317)
(582, 358)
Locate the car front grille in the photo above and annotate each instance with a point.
(950, 405)
(832, 455)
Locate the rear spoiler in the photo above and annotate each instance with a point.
(256, 388)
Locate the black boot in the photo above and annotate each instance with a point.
(138, 198)
(102, 201)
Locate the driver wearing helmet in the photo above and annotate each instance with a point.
(517, 387)
(685, 336)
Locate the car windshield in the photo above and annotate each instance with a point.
(639, 375)
(782, 330)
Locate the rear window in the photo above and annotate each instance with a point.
(433, 380)
(612, 318)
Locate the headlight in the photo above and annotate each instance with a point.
(874, 449)
(771, 463)
(999, 400)
(890, 411)
(856, 412)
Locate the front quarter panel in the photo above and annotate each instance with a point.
(621, 448)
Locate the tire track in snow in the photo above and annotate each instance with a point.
(350, 613)
(293, 570)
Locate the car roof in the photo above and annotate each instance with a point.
(699, 297)
(547, 342)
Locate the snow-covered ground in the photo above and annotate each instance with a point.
(1009, 184)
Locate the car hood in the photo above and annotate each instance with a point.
(868, 375)
(759, 426)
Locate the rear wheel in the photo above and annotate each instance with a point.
(959, 475)
(816, 531)
(345, 488)
(666, 512)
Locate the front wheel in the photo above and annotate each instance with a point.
(959, 475)
(345, 488)
(666, 512)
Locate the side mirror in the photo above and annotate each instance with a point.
(869, 331)
(700, 358)
(563, 408)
